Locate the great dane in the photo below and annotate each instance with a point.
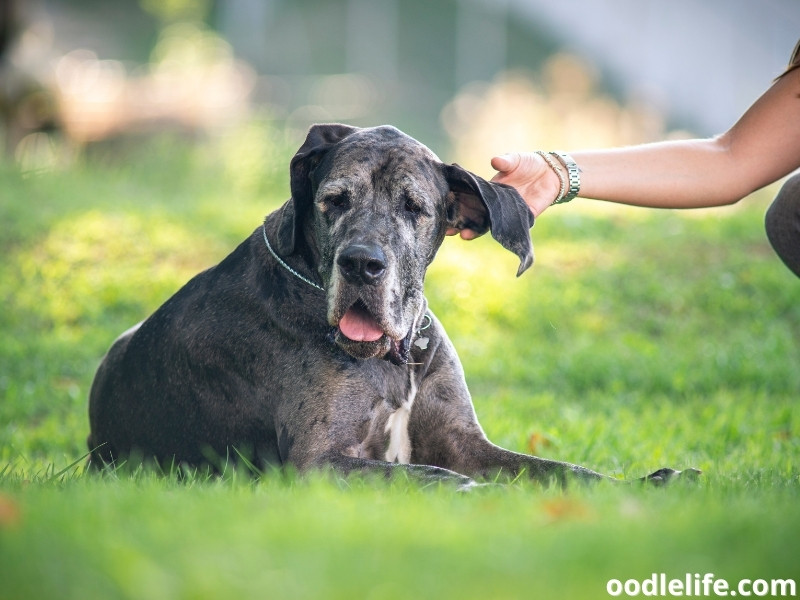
(311, 344)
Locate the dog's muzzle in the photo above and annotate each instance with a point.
(395, 351)
(359, 331)
(362, 264)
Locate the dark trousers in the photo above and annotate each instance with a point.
(783, 223)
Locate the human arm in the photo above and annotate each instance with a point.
(761, 147)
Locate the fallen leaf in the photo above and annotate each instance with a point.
(10, 514)
(536, 441)
(563, 509)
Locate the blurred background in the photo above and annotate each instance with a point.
(469, 78)
(142, 140)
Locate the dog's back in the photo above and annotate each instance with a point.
(175, 386)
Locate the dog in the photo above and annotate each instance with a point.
(312, 344)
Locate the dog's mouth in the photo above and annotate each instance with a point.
(358, 325)
(360, 335)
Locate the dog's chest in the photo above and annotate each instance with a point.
(378, 420)
(398, 448)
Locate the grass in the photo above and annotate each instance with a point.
(640, 339)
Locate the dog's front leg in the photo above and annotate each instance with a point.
(485, 460)
(346, 465)
(444, 431)
(466, 449)
(493, 461)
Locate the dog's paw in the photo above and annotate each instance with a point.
(473, 486)
(665, 475)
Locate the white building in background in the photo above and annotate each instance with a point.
(700, 60)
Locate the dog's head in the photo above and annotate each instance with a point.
(372, 207)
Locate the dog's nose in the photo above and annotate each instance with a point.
(362, 263)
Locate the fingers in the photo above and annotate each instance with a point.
(535, 181)
(505, 163)
(523, 172)
(466, 234)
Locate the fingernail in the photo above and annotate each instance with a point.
(504, 161)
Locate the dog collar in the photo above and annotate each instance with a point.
(284, 265)
(400, 351)
(399, 354)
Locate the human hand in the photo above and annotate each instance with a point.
(530, 175)
(473, 209)
(528, 172)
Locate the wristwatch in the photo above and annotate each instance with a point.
(573, 175)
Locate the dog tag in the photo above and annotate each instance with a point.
(421, 343)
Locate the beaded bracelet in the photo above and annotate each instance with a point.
(553, 164)
(565, 194)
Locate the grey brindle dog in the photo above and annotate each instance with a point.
(312, 344)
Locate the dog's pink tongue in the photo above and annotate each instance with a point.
(359, 326)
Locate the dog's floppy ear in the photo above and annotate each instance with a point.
(319, 139)
(483, 206)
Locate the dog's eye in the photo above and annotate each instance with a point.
(338, 201)
(412, 207)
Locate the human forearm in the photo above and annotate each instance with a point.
(763, 146)
(675, 174)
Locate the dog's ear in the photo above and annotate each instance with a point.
(484, 206)
(320, 139)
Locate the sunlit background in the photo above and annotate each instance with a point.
(467, 77)
(142, 140)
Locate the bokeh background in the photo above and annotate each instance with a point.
(142, 140)
(467, 77)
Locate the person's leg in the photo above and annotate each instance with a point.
(783, 224)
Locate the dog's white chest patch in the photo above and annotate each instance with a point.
(399, 449)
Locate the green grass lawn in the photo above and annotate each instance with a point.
(639, 339)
